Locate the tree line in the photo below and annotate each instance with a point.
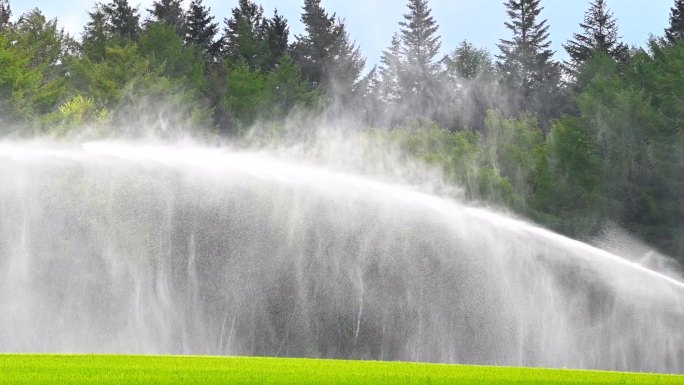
(570, 144)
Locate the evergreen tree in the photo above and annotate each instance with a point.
(390, 67)
(163, 46)
(468, 62)
(95, 35)
(470, 71)
(42, 38)
(200, 30)
(44, 45)
(311, 50)
(5, 14)
(525, 60)
(600, 34)
(244, 35)
(675, 31)
(277, 34)
(169, 12)
(344, 67)
(325, 54)
(420, 45)
(287, 88)
(381, 99)
(122, 19)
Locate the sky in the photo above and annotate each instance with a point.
(371, 23)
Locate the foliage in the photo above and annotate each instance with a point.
(326, 55)
(495, 168)
(288, 88)
(164, 47)
(468, 62)
(277, 36)
(129, 83)
(79, 112)
(244, 37)
(200, 31)
(33, 54)
(510, 148)
(420, 44)
(95, 35)
(675, 31)
(251, 38)
(123, 21)
(390, 65)
(5, 14)
(570, 168)
(604, 145)
(14, 77)
(252, 96)
(600, 34)
(471, 80)
(528, 71)
(169, 12)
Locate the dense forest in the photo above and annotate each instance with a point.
(572, 145)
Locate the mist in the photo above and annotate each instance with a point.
(172, 187)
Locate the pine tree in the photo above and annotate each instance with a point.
(169, 12)
(675, 31)
(200, 30)
(122, 19)
(420, 45)
(525, 60)
(5, 14)
(325, 53)
(600, 34)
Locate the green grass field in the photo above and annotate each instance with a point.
(96, 369)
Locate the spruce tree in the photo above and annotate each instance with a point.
(675, 31)
(122, 19)
(388, 73)
(42, 39)
(471, 76)
(600, 34)
(525, 61)
(311, 50)
(467, 62)
(95, 35)
(5, 14)
(169, 12)
(244, 35)
(345, 64)
(199, 29)
(277, 34)
(420, 45)
(326, 55)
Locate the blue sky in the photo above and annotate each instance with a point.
(371, 23)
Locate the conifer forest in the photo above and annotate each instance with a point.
(579, 146)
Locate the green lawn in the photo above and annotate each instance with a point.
(95, 369)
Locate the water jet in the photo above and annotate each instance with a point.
(114, 247)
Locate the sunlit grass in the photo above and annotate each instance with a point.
(113, 369)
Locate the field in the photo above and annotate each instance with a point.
(162, 370)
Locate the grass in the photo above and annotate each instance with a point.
(162, 370)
